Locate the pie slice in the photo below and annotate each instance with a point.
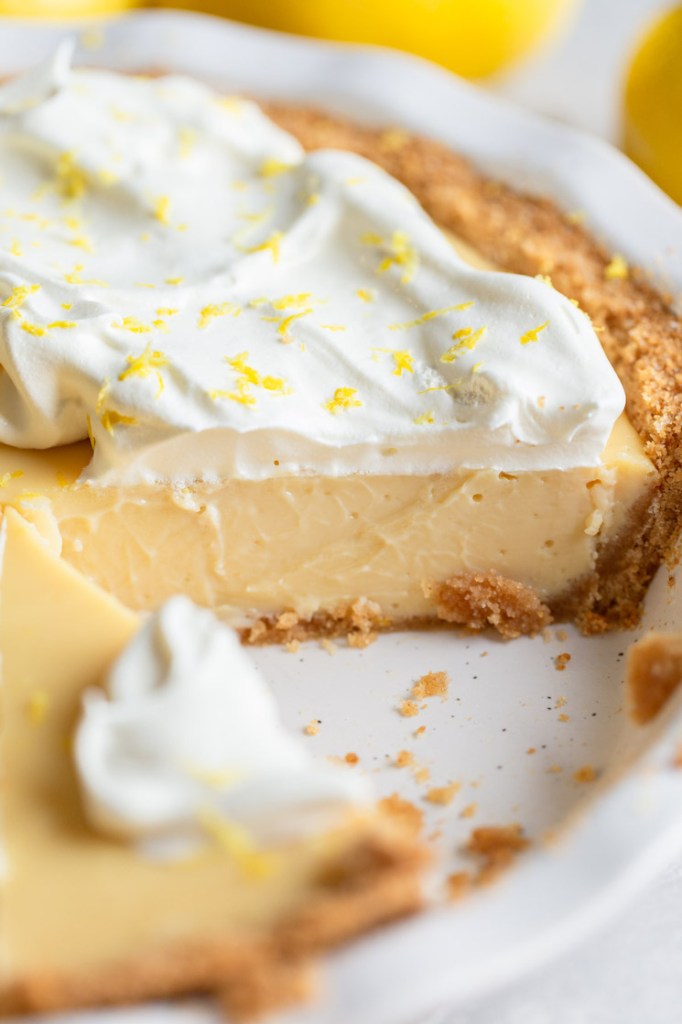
(267, 380)
(88, 919)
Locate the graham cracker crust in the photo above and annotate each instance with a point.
(639, 330)
(375, 882)
(653, 674)
(483, 599)
(471, 600)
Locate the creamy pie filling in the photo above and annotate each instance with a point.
(249, 548)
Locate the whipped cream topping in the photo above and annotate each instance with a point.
(187, 739)
(180, 282)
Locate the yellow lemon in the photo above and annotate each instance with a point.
(652, 123)
(471, 37)
(62, 8)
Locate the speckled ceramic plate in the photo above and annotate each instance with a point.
(513, 731)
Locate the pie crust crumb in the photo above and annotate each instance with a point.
(653, 673)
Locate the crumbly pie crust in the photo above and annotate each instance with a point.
(375, 882)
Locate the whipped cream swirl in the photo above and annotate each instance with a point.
(187, 734)
(181, 282)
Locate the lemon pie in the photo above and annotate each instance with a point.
(165, 835)
(265, 378)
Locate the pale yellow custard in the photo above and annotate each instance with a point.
(254, 548)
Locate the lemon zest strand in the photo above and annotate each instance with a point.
(149, 361)
(425, 317)
(343, 398)
(466, 339)
(532, 334)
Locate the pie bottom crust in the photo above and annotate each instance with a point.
(375, 882)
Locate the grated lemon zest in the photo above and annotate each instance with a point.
(162, 209)
(248, 378)
(33, 329)
(18, 296)
(576, 216)
(466, 339)
(617, 269)
(271, 245)
(81, 242)
(236, 841)
(532, 334)
(431, 315)
(149, 361)
(403, 360)
(7, 477)
(186, 140)
(285, 324)
(212, 312)
(91, 436)
(287, 301)
(233, 104)
(71, 180)
(343, 398)
(110, 418)
(121, 115)
(131, 323)
(75, 276)
(441, 387)
(271, 167)
(37, 706)
(394, 139)
(400, 254)
(107, 177)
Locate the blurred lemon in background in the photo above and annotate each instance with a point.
(652, 123)
(62, 8)
(472, 37)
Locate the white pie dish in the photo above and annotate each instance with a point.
(507, 702)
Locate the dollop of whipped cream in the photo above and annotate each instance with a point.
(182, 283)
(186, 741)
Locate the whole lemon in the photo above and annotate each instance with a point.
(471, 37)
(652, 122)
(62, 8)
